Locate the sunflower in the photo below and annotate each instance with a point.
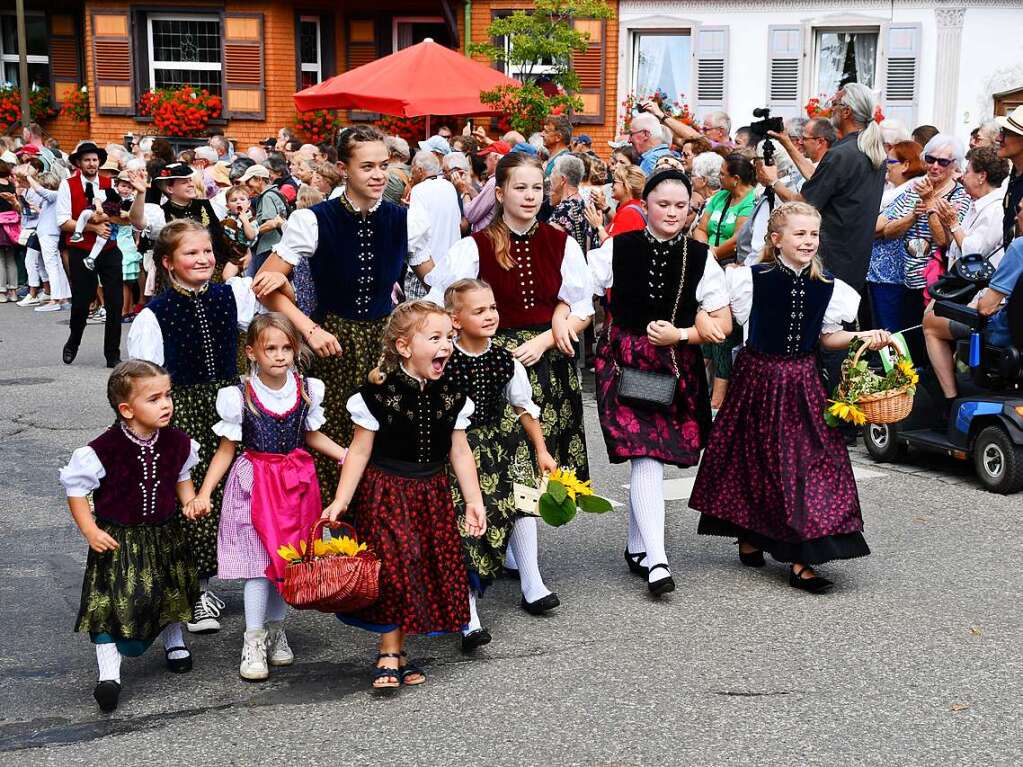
(908, 371)
(847, 412)
(571, 483)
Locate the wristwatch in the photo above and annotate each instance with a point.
(683, 335)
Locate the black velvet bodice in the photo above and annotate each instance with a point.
(788, 310)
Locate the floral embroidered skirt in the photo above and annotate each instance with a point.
(673, 435)
(774, 474)
(342, 376)
(559, 395)
(132, 592)
(410, 524)
(195, 413)
(503, 457)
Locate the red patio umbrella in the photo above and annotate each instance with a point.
(424, 79)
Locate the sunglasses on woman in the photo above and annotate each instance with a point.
(944, 162)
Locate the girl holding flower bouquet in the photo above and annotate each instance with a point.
(492, 377)
(774, 475)
(271, 497)
(667, 294)
(409, 424)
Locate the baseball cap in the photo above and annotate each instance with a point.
(582, 138)
(437, 144)
(254, 171)
(526, 148)
(498, 147)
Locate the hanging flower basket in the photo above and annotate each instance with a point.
(76, 105)
(10, 106)
(183, 111)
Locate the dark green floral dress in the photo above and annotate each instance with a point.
(493, 381)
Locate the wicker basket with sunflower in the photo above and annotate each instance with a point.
(559, 498)
(864, 396)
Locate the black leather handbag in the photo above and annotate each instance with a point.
(648, 388)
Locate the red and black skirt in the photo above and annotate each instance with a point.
(410, 523)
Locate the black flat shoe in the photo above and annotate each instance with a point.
(633, 561)
(178, 665)
(69, 354)
(112, 363)
(107, 694)
(664, 585)
(475, 639)
(542, 605)
(814, 585)
(751, 558)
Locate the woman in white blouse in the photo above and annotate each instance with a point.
(981, 229)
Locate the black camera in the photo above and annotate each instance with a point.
(758, 131)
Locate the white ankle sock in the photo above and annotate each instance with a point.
(173, 637)
(523, 543)
(109, 660)
(474, 618)
(646, 501)
(257, 596)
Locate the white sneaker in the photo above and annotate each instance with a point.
(253, 666)
(98, 317)
(3, 298)
(42, 295)
(30, 300)
(76, 237)
(277, 648)
(205, 614)
(49, 308)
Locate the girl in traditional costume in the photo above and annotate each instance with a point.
(774, 475)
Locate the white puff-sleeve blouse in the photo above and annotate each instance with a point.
(231, 405)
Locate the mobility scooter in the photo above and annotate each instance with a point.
(985, 424)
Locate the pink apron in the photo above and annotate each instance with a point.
(285, 502)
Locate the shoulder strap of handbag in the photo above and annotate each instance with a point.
(678, 302)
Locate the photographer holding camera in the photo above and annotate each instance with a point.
(846, 186)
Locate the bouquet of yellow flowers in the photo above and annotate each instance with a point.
(865, 396)
(560, 497)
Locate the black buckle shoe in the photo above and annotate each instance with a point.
(633, 561)
(475, 639)
(751, 558)
(814, 585)
(106, 694)
(178, 665)
(662, 586)
(542, 605)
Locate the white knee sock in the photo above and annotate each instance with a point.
(524, 545)
(276, 607)
(173, 637)
(509, 559)
(646, 498)
(474, 618)
(109, 660)
(257, 596)
(204, 584)
(83, 220)
(635, 542)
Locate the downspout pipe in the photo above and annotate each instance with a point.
(468, 26)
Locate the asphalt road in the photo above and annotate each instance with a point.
(913, 660)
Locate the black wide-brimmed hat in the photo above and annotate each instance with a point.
(174, 171)
(87, 147)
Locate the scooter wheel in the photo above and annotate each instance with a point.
(882, 442)
(999, 462)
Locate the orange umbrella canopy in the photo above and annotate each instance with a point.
(424, 79)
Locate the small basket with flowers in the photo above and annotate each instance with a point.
(865, 396)
(337, 575)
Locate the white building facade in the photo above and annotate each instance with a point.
(930, 61)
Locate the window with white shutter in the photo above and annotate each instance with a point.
(785, 67)
(902, 73)
(711, 75)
